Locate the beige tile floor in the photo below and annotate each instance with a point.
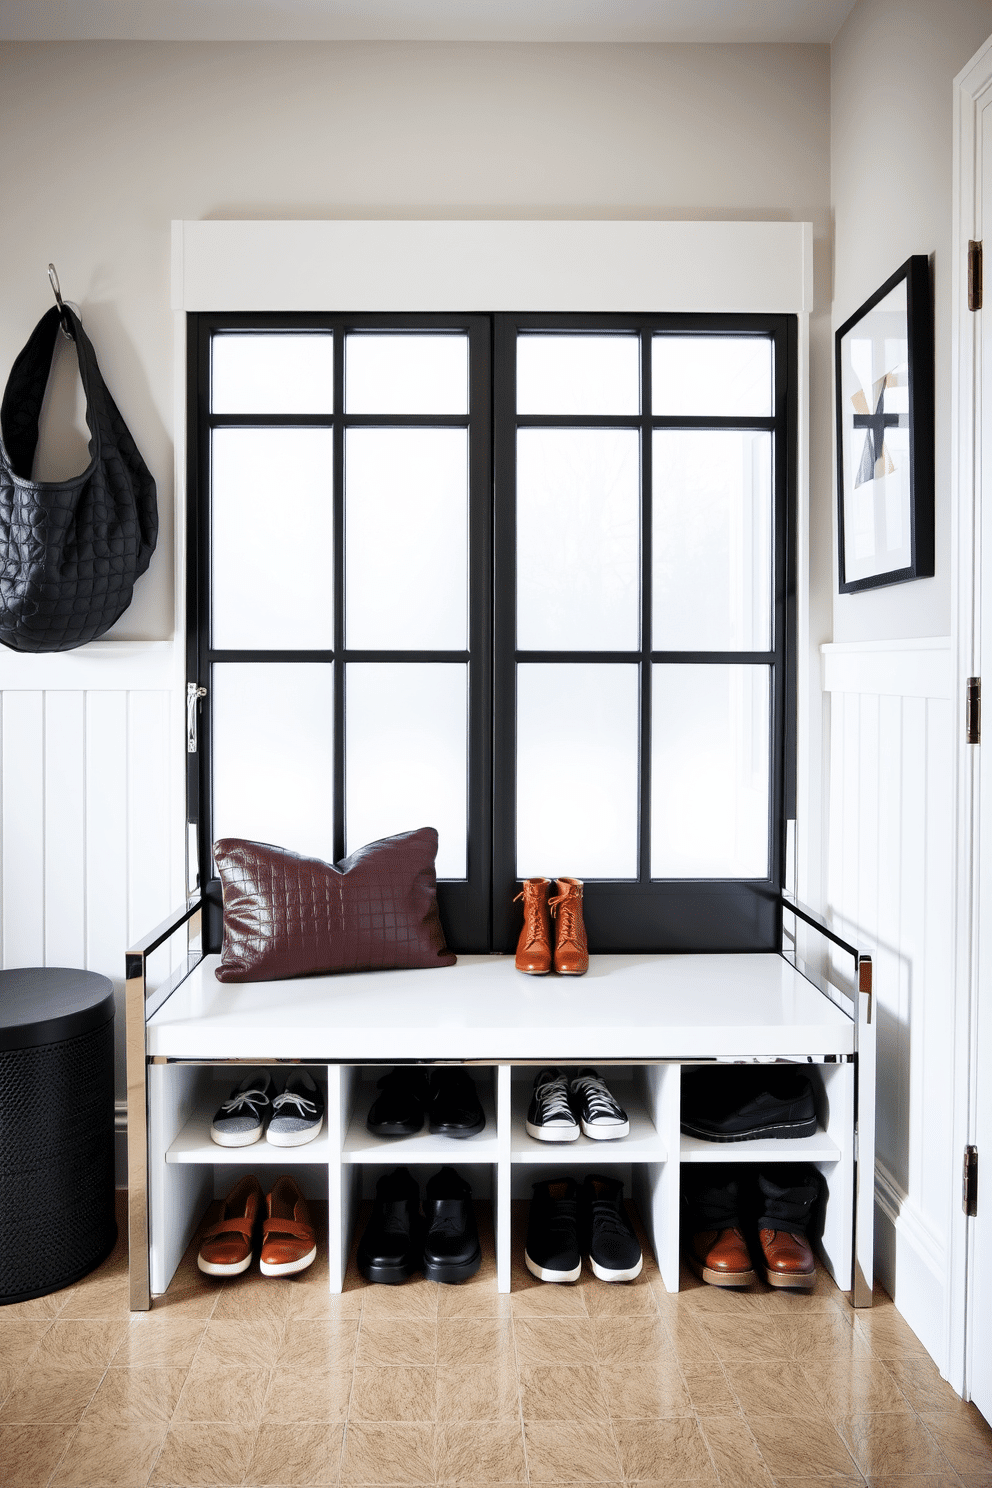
(275, 1382)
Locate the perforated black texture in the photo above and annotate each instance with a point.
(56, 1162)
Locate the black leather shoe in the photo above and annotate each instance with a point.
(399, 1110)
(455, 1109)
(733, 1103)
(451, 1245)
(391, 1248)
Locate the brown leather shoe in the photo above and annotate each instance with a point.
(226, 1248)
(534, 945)
(788, 1259)
(721, 1257)
(288, 1240)
(571, 949)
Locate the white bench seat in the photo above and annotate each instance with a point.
(626, 1007)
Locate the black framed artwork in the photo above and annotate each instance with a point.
(885, 459)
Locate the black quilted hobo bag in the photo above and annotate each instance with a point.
(70, 551)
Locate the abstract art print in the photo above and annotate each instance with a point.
(885, 466)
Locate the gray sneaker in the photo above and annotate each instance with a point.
(239, 1120)
(297, 1114)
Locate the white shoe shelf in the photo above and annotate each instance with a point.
(187, 1170)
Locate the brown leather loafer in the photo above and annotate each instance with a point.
(534, 946)
(721, 1257)
(226, 1248)
(788, 1259)
(289, 1243)
(571, 948)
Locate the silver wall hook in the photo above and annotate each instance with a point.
(57, 291)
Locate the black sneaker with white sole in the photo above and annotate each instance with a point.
(600, 1116)
(608, 1238)
(550, 1117)
(737, 1103)
(297, 1114)
(552, 1249)
(239, 1121)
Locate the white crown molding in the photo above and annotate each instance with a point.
(602, 21)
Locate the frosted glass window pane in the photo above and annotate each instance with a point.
(709, 771)
(719, 376)
(406, 374)
(406, 755)
(577, 748)
(272, 538)
(712, 540)
(578, 539)
(271, 373)
(578, 374)
(406, 538)
(273, 757)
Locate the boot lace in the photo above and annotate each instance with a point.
(532, 923)
(566, 923)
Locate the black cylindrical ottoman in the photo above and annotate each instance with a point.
(56, 1128)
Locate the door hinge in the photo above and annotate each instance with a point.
(969, 1193)
(193, 693)
(974, 275)
(973, 712)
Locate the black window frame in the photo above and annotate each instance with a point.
(465, 904)
(645, 915)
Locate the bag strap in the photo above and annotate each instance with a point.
(25, 390)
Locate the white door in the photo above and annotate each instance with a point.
(980, 1298)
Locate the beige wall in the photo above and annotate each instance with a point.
(892, 66)
(104, 143)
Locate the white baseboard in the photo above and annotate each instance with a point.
(911, 1264)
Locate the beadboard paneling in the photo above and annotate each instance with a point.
(889, 888)
(91, 815)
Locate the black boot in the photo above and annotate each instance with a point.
(392, 1246)
(451, 1245)
(786, 1196)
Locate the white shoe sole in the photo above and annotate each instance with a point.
(544, 1273)
(553, 1133)
(294, 1139)
(605, 1274)
(287, 1268)
(602, 1133)
(235, 1139)
(233, 1268)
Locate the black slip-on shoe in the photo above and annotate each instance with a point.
(452, 1251)
(454, 1108)
(552, 1248)
(733, 1103)
(608, 1238)
(398, 1109)
(391, 1248)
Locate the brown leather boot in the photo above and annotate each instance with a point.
(534, 945)
(571, 949)
(721, 1257)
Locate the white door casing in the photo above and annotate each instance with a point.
(970, 1249)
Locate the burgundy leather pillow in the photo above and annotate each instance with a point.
(289, 916)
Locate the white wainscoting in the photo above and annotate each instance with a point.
(889, 876)
(91, 814)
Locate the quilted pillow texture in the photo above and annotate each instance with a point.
(289, 916)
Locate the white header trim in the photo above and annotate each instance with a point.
(537, 267)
